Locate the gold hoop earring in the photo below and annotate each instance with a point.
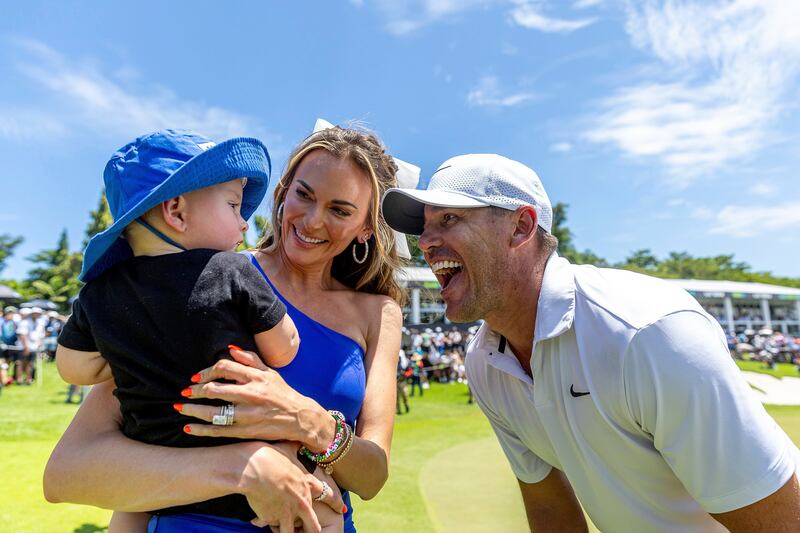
(366, 253)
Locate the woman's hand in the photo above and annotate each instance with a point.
(266, 408)
(280, 491)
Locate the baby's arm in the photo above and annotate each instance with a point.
(278, 345)
(81, 368)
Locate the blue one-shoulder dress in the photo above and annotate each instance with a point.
(328, 367)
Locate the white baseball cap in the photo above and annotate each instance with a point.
(473, 180)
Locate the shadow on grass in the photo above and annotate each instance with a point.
(90, 528)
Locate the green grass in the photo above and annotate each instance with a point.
(781, 370)
(447, 470)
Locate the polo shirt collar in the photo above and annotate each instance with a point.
(556, 309)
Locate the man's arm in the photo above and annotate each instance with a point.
(779, 512)
(551, 505)
(683, 388)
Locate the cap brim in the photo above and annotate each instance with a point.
(404, 209)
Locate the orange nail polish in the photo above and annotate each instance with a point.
(187, 392)
(344, 509)
(234, 347)
(196, 378)
(178, 407)
(187, 429)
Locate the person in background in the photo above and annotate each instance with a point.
(10, 343)
(31, 331)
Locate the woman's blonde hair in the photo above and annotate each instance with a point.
(377, 274)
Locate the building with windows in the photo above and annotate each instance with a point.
(737, 305)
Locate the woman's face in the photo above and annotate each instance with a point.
(325, 208)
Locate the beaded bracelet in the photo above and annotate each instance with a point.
(328, 465)
(337, 441)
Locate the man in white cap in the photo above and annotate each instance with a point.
(603, 384)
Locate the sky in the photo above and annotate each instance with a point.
(664, 124)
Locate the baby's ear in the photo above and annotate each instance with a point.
(173, 211)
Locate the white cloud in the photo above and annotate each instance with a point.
(751, 220)
(489, 93)
(80, 97)
(24, 125)
(562, 147)
(764, 189)
(407, 17)
(702, 213)
(509, 49)
(583, 4)
(726, 70)
(677, 202)
(529, 15)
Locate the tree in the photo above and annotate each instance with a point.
(7, 245)
(55, 277)
(263, 226)
(417, 257)
(641, 260)
(99, 219)
(566, 249)
(559, 228)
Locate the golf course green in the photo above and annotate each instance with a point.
(447, 471)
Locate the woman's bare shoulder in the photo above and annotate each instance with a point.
(380, 312)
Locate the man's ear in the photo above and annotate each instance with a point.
(525, 222)
(173, 211)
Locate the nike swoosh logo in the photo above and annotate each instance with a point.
(576, 394)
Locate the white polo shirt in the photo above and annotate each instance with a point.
(636, 399)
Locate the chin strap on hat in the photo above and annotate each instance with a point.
(158, 234)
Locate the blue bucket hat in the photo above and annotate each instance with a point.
(162, 165)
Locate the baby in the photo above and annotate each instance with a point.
(165, 295)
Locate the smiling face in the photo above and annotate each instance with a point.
(466, 249)
(325, 208)
(213, 218)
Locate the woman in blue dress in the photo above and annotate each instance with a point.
(331, 258)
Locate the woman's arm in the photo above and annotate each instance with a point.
(365, 468)
(267, 408)
(122, 474)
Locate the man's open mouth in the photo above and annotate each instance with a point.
(446, 271)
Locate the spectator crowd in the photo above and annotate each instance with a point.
(28, 335)
(765, 345)
(430, 354)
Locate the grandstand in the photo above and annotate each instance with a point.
(737, 305)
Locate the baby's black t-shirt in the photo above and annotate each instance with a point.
(158, 320)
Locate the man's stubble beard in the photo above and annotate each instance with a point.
(483, 296)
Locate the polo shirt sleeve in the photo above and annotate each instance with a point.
(683, 388)
(77, 332)
(526, 465)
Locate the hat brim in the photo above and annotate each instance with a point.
(404, 209)
(240, 157)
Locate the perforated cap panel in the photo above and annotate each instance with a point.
(494, 180)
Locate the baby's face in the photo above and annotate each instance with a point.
(213, 218)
